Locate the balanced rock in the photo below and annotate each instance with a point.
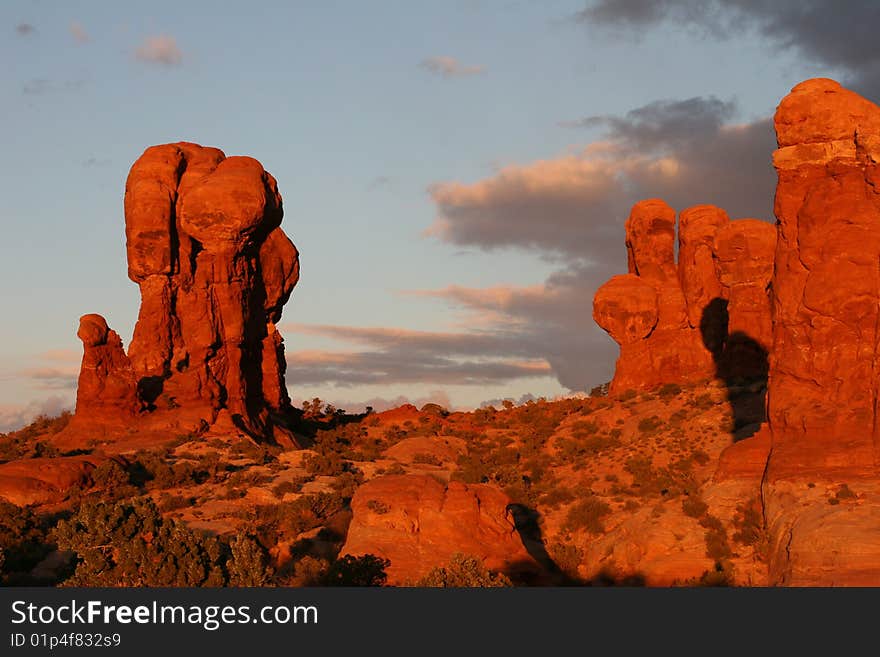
(418, 523)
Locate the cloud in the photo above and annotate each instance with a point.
(573, 206)
(449, 67)
(79, 33)
(827, 32)
(395, 356)
(552, 321)
(25, 29)
(161, 50)
(572, 209)
(52, 378)
(14, 417)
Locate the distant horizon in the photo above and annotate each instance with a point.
(456, 195)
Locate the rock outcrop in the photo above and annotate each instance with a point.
(45, 480)
(824, 381)
(106, 389)
(706, 315)
(824, 376)
(418, 523)
(214, 268)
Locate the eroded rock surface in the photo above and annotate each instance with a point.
(418, 523)
(214, 268)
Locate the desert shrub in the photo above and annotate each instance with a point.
(25, 443)
(567, 557)
(627, 395)
(600, 390)
(717, 545)
(557, 496)
(174, 502)
(678, 417)
(24, 539)
(649, 425)
(378, 507)
(271, 521)
(329, 465)
(669, 390)
(248, 563)
(694, 506)
(366, 570)
(281, 489)
(720, 575)
(346, 484)
(463, 571)
(574, 448)
(584, 428)
(259, 452)
(130, 544)
(306, 571)
(749, 524)
(700, 456)
(704, 402)
(427, 459)
(587, 514)
(395, 469)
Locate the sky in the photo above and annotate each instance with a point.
(456, 175)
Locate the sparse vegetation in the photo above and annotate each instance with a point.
(463, 571)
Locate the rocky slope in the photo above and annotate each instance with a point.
(738, 443)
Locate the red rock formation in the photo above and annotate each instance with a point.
(418, 523)
(214, 268)
(106, 388)
(824, 379)
(45, 480)
(707, 315)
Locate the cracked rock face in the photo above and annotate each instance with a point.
(706, 315)
(214, 268)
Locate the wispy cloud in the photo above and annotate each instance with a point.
(161, 50)
(43, 86)
(394, 356)
(51, 378)
(450, 67)
(78, 32)
(25, 29)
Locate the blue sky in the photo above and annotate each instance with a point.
(366, 114)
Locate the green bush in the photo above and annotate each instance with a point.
(130, 544)
(366, 570)
(463, 571)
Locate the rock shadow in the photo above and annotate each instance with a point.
(742, 363)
